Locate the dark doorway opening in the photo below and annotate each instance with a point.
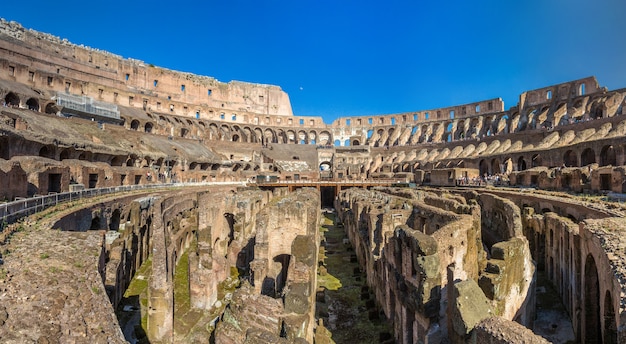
(328, 196)
(605, 182)
(54, 182)
(93, 180)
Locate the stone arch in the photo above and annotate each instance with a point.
(236, 131)
(598, 112)
(495, 166)
(130, 162)
(51, 108)
(248, 135)
(134, 124)
(302, 137)
(258, 135)
(325, 138)
(355, 142)
(213, 132)
(32, 104)
(148, 127)
(593, 331)
(11, 99)
(459, 134)
(608, 156)
(536, 161)
(224, 132)
(521, 164)
(503, 125)
(281, 136)
(313, 137)
(570, 159)
(483, 168)
(47, 151)
(270, 136)
(65, 154)
(587, 157)
(85, 155)
(184, 132)
(118, 160)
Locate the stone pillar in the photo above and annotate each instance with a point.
(160, 289)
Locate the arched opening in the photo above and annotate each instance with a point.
(118, 160)
(483, 168)
(148, 127)
(47, 152)
(521, 164)
(184, 132)
(587, 157)
(11, 99)
(598, 112)
(495, 166)
(51, 109)
(355, 142)
(337, 143)
(95, 223)
(607, 156)
(86, 156)
(325, 166)
(235, 138)
(134, 124)
(570, 159)
(592, 327)
(535, 161)
(65, 154)
(32, 104)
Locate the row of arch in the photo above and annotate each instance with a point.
(485, 126)
(199, 129)
(55, 152)
(442, 131)
(610, 155)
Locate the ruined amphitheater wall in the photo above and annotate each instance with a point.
(423, 249)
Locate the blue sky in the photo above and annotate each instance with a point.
(340, 58)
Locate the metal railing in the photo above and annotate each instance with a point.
(334, 181)
(88, 105)
(13, 211)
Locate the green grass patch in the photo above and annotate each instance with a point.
(137, 286)
(329, 282)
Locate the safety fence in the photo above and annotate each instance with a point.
(13, 211)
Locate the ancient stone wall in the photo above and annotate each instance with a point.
(285, 257)
(13, 181)
(413, 251)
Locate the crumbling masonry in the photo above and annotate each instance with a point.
(478, 202)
